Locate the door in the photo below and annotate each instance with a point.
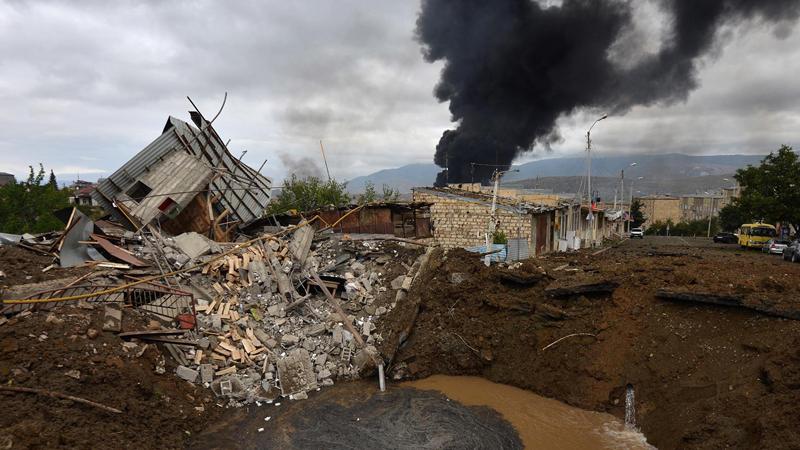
(541, 234)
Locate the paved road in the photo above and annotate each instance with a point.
(677, 241)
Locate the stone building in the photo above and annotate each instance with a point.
(460, 218)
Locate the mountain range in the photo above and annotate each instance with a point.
(664, 172)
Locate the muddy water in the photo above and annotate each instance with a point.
(540, 422)
(434, 413)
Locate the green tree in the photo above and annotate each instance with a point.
(308, 194)
(771, 191)
(390, 194)
(27, 206)
(691, 228)
(637, 216)
(52, 182)
(732, 216)
(370, 195)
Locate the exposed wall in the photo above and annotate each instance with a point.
(460, 223)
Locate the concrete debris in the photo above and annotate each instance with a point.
(248, 320)
(186, 373)
(263, 325)
(112, 319)
(192, 244)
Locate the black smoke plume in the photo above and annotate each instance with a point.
(513, 67)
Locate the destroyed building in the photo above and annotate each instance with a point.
(185, 180)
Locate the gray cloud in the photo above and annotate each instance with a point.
(84, 85)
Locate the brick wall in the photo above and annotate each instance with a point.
(459, 223)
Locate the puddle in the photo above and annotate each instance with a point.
(541, 422)
(434, 413)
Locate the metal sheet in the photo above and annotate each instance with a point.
(72, 252)
(518, 249)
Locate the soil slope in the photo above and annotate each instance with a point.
(704, 376)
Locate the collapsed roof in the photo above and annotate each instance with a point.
(161, 181)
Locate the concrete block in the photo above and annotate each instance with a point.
(186, 373)
(206, 373)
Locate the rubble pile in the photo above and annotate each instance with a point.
(264, 327)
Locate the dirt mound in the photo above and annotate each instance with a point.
(705, 376)
(23, 266)
(56, 351)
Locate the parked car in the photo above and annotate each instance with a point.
(726, 238)
(775, 246)
(792, 251)
(637, 233)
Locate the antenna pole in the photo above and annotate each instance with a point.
(322, 149)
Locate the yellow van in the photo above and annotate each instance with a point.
(755, 235)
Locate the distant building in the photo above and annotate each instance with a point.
(83, 196)
(686, 208)
(702, 206)
(6, 178)
(660, 208)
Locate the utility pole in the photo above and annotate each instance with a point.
(710, 215)
(325, 160)
(589, 176)
(492, 219)
(491, 228)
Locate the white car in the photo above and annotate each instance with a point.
(775, 246)
(637, 233)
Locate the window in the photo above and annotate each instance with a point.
(139, 191)
(763, 231)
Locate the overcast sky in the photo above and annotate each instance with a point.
(85, 85)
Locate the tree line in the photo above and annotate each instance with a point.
(769, 193)
(27, 206)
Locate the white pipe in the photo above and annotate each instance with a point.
(381, 378)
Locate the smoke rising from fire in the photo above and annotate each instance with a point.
(513, 67)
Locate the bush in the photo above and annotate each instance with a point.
(308, 194)
(27, 207)
(499, 238)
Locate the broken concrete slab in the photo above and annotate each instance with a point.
(112, 319)
(397, 283)
(301, 243)
(192, 244)
(296, 372)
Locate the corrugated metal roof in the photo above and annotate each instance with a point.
(485, 199)
(242, 190)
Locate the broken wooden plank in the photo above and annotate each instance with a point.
(117, 252)
(226, 371)
(529, 279)
(594, 288)
(757, 305)
(136, 334)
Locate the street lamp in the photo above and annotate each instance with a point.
(589, 173)
(622, 194)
